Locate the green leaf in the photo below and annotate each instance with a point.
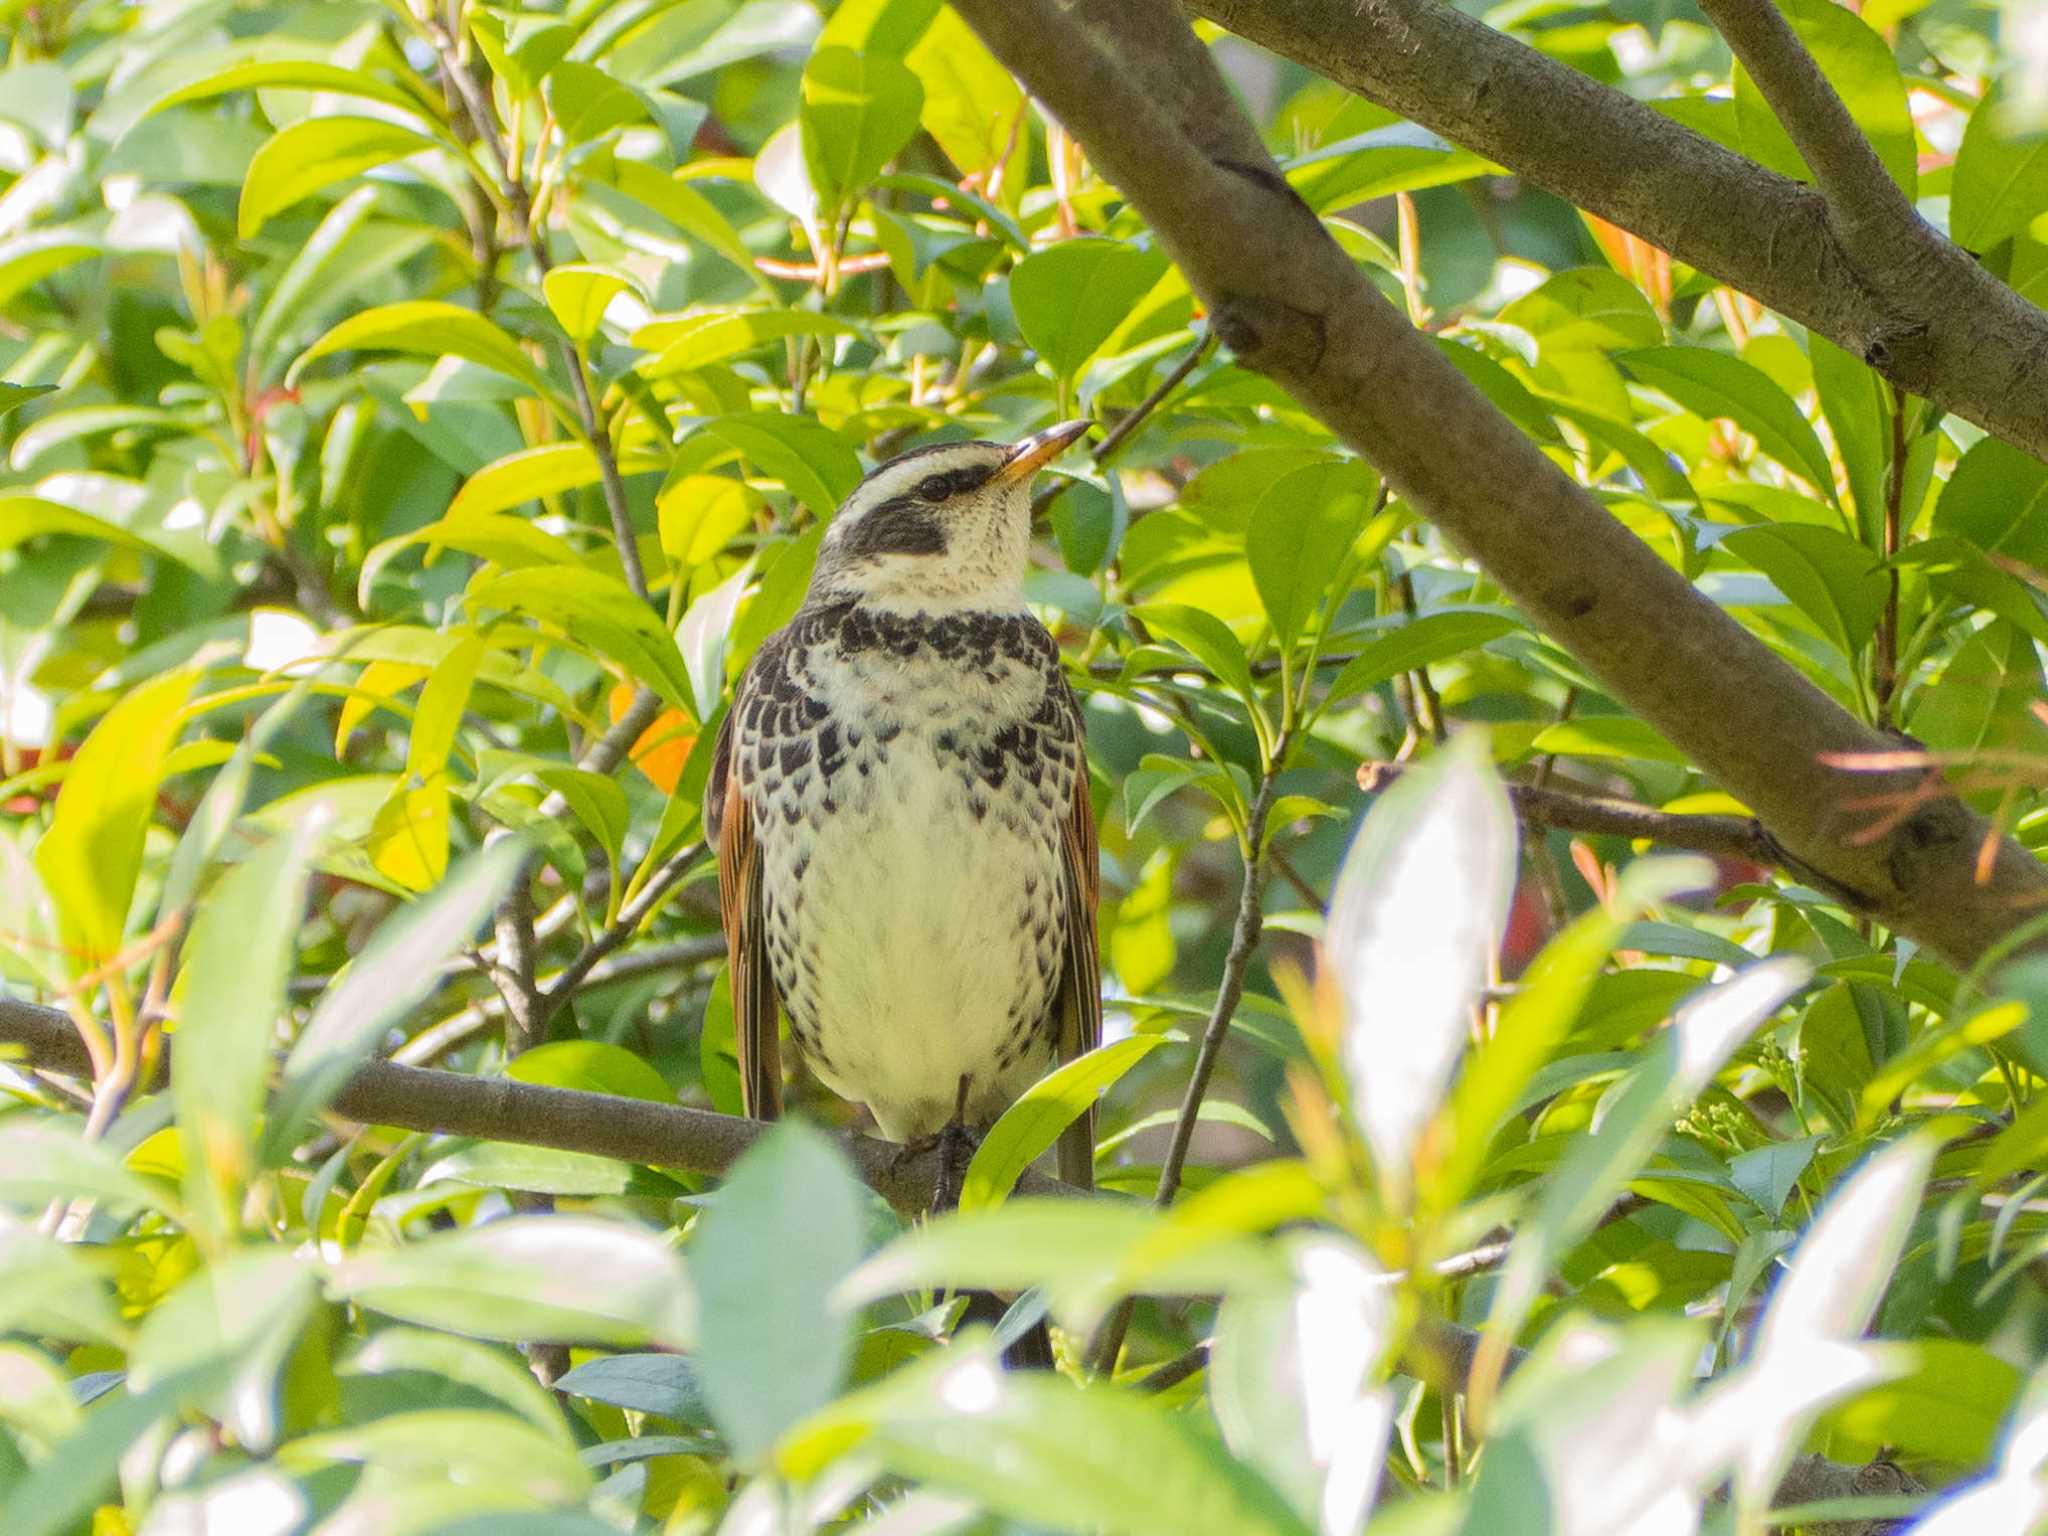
(1299, 534)
(1857, 405)
(2001, 176)
(1997, 500)
(1983, 705)
(1713, 384)
(1034, 1122)
(1606, 736)
(529, 1277)
(231, 994)
(1859, 65)
(1592, 309)
(1206, 638)
(971, 103)
(47, 1161)
(592, 1066)
(14, 396)
(466, 1458)
(696, 340)
(1770, 1173)
(889, 27)
(1083, 1252)
(700, 514)
(438, 715)
(812, 461)
(27, 259)
(1827, 575)
(578, 293)
(1071, 297)
(528, 475)
(91, 855)
(297, 75)
(428, 328)
(396, 971)
(1431, 638)
(688, 210)
(588, 103)
(659, 1384)
(786, 1226)
(859, 110)
(598, 610)
(315, 153)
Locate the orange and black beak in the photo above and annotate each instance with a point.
(1035, 452)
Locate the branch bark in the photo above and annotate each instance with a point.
(449, 1103)
(1131, 81)
(1931, 319)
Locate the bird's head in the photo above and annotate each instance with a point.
(940, 528)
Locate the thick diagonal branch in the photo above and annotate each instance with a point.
(1131, 81)
(1937, 324)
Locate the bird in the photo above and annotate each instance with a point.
(899, 799)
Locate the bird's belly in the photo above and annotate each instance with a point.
(916, 939)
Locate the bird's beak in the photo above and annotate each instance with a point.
(1034, 453)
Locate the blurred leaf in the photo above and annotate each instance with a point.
(601, 611)
(291, 74)
(1416, 918)
(1035, 1448)
(665, 1385)
(1293, 1379)
(1994, 500)
(230, 996)
(396, 971)
(711, 337)
(786, 1226)
(528, 1277)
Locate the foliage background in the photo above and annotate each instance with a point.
(417, 418)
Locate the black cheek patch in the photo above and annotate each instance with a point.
(900, 527)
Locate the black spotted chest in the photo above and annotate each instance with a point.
(909, 780)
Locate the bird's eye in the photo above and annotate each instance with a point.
(935, 488)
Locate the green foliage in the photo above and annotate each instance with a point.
(392, 414)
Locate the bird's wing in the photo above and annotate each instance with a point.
(729, 822)
(1079, 1002)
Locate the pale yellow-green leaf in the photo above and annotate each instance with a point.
(90, 857)
(313, 153)
(701, 514)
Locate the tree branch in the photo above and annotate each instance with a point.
(1129, 78)
(693, 1141)
(1861, 194)
(1939, 326)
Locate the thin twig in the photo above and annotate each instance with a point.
(1136, 417)
(1244, 942)
(631, 916)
